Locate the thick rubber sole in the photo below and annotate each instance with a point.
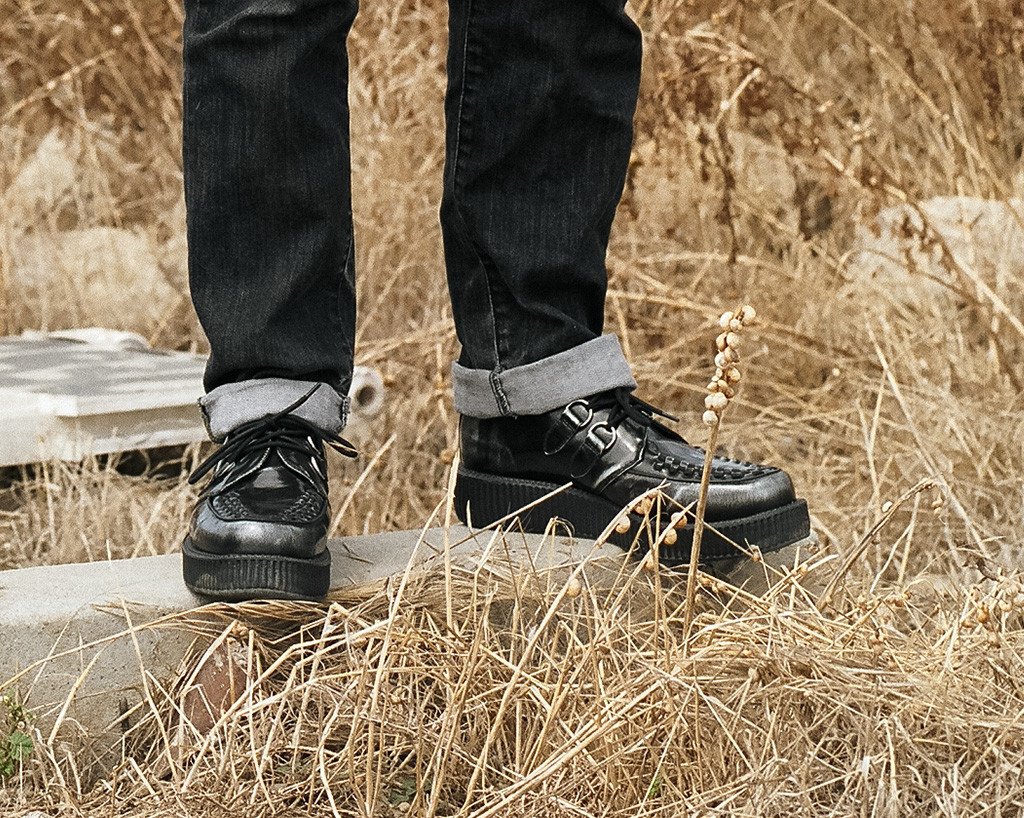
(483, 499)
(243, 577)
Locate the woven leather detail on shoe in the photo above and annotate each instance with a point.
(725, 470)
(306, 508)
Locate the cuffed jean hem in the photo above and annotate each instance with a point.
(229, 406)
(532, 389)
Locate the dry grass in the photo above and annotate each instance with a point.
(474, 694)
(767, 132)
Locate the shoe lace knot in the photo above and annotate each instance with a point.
(281, 430)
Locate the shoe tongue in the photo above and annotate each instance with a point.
(269, 478)
(300, 464)
(269, 461)
(278, 471)
(249, 461)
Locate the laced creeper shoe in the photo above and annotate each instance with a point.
(612, 449)
(259, 528)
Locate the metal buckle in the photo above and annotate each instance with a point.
(612, 438)
(581, 404)
(569, 423)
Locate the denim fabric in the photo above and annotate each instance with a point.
(539, 110)
(233, 404)
(267, 187)
(543, 385)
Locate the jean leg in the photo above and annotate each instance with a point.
(267, 187)
(539, 111)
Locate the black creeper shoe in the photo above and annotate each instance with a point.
(612, 449)
(259, 529)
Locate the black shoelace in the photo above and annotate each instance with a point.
(624, 404)
(282, 431)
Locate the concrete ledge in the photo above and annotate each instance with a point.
(68, 647)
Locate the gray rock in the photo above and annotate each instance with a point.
(926, 243)
(40, 184)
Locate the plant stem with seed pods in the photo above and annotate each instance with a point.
(721, 391)
(698, 535)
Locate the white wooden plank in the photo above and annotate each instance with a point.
(71, 397)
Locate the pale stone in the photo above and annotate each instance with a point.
(66, 635)
(938, 245)
(42, 182)
(673, 201)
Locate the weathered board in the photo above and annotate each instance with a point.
(71, 395)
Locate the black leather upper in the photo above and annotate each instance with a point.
(611, 444)
(268, 491)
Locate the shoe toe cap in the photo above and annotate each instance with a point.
(212, 533)
(764, 490)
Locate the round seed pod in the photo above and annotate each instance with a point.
(721, 342)
(748, 314)
(623, 524)
(732, 339)
(721, 361)
(723, 322)
(670, 537)
(710, 418)
(716, 401)
(735, 325)
(732, 375)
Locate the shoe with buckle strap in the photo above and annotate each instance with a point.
(610, 448)
(259, 528)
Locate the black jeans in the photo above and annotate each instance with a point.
(539, 109)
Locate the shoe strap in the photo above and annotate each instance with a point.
(597, 442)
(573, 418)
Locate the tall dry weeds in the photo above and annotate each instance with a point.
(472, 694)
